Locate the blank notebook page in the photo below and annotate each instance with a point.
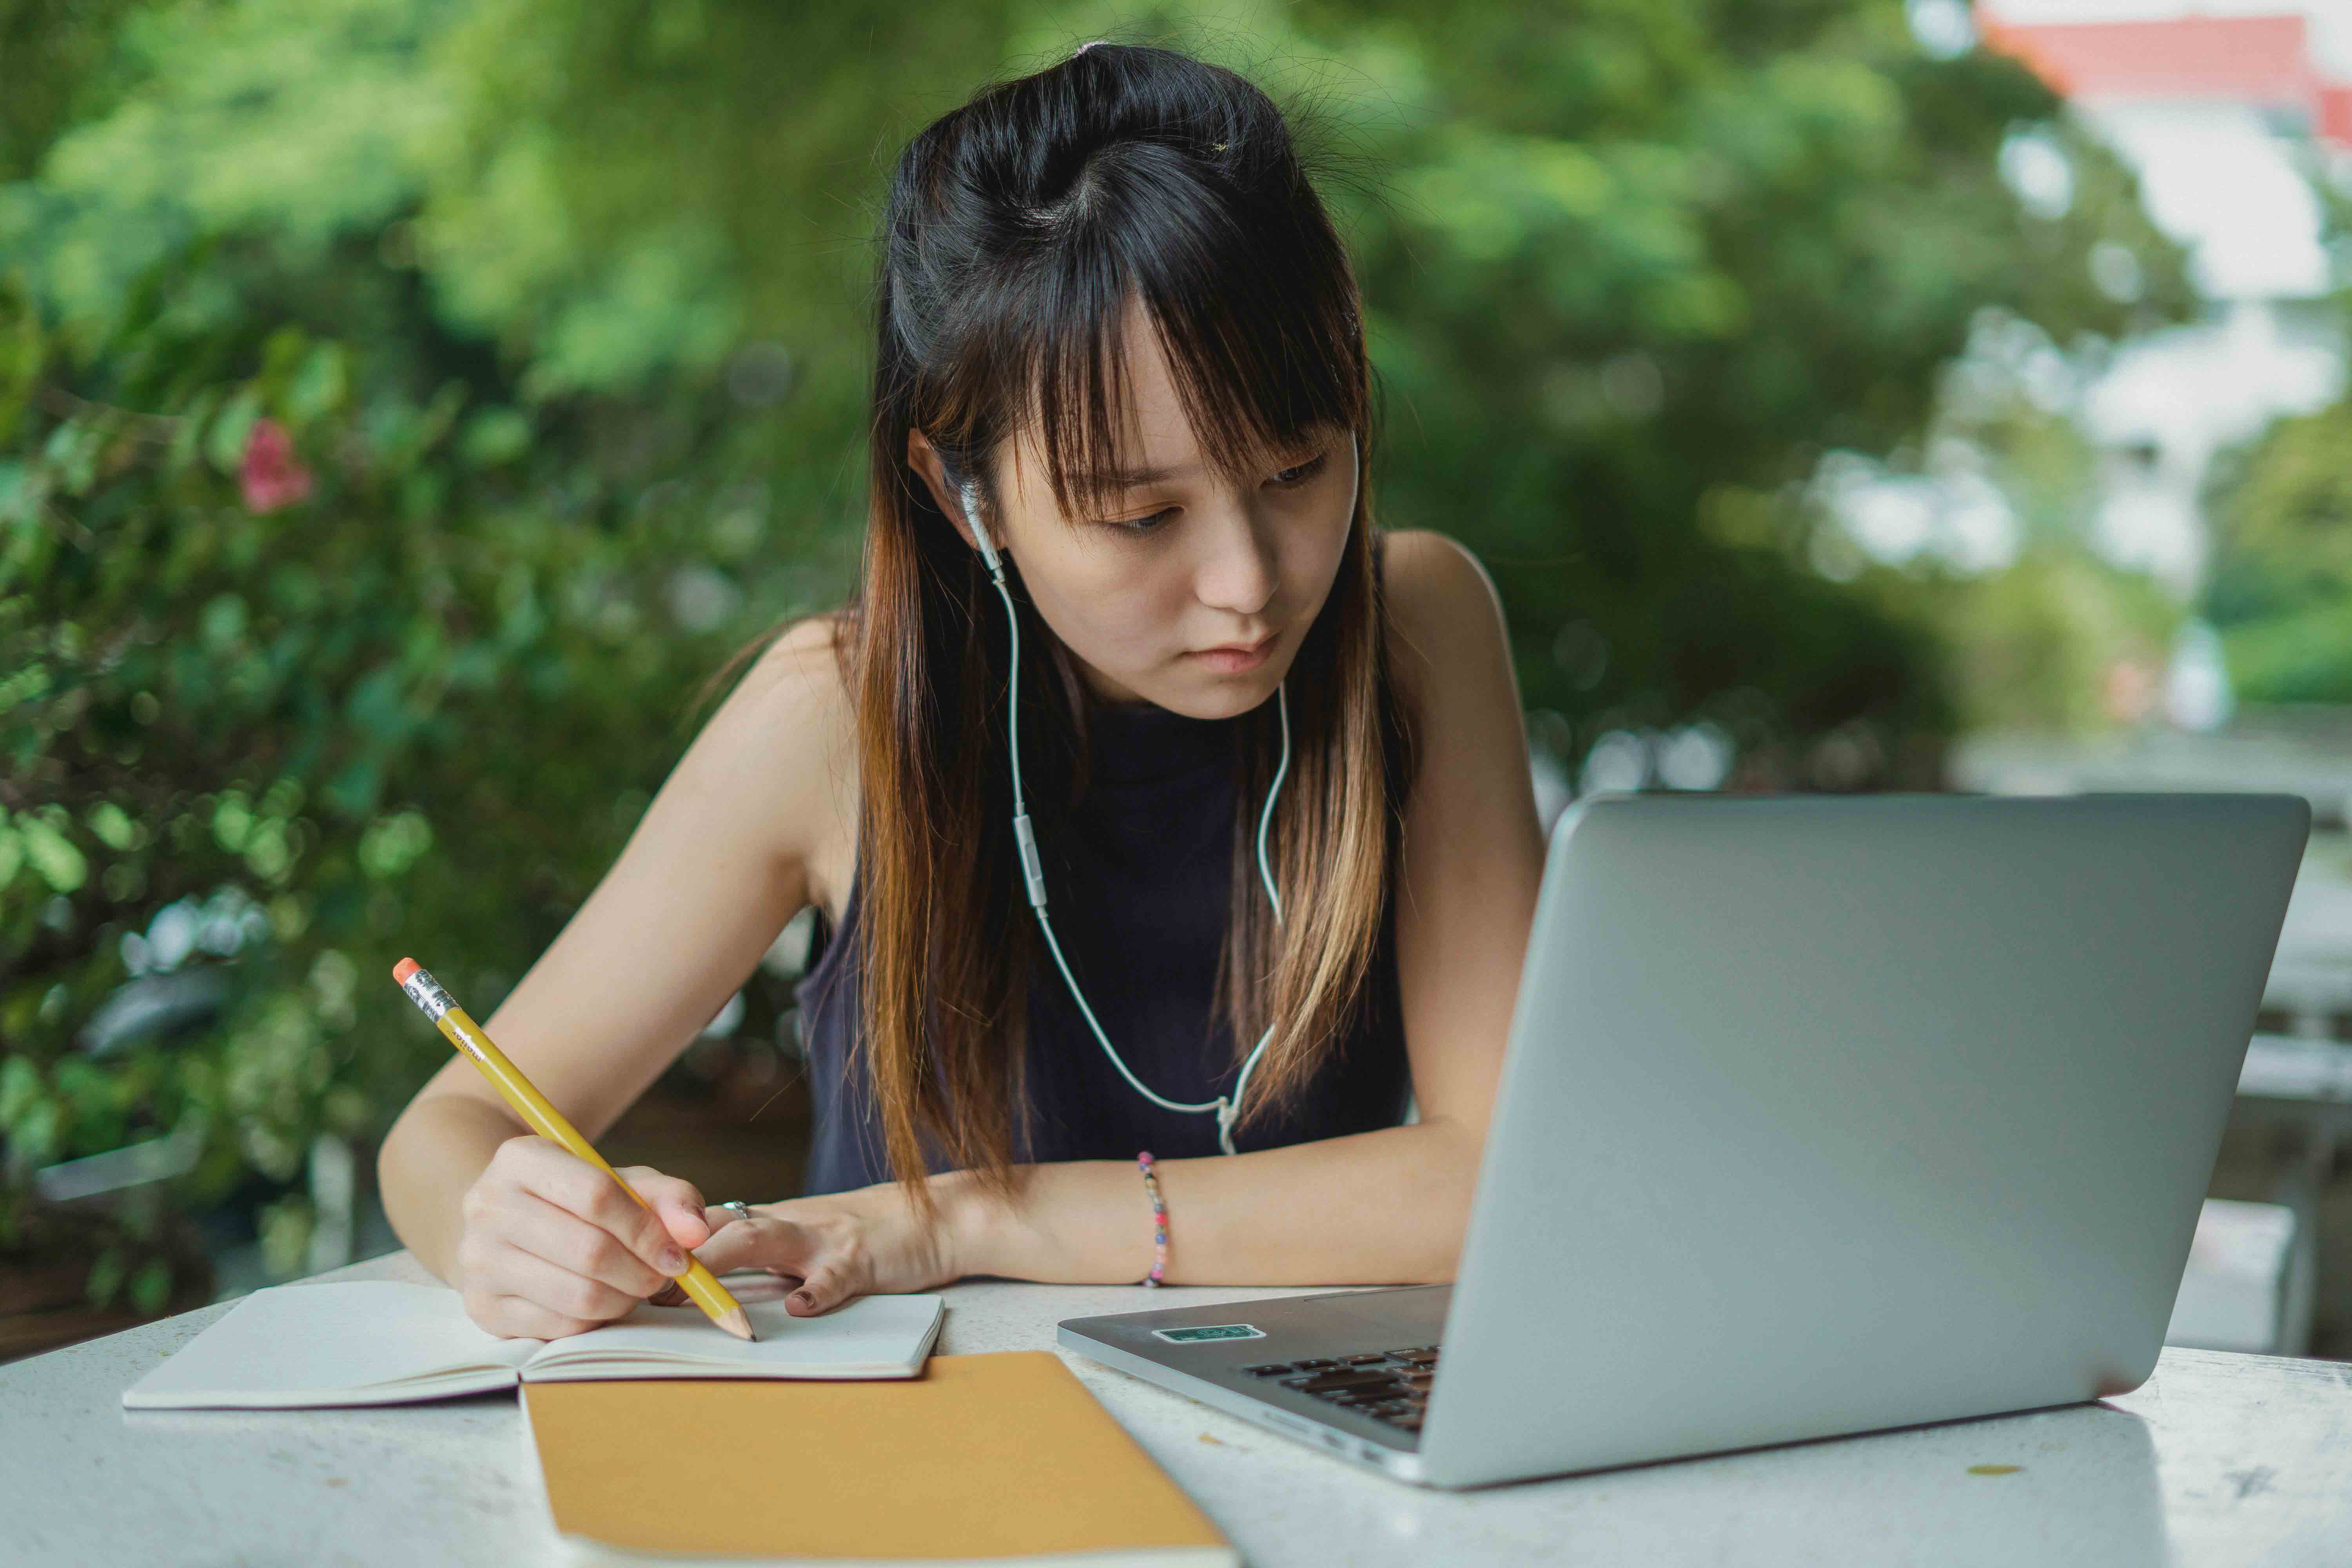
(343, 1334)
(871, 1336)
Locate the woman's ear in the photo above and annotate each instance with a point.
(924, 459)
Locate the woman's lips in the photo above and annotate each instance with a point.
(1232, 661)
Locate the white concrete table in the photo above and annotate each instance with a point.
(2221, 1458)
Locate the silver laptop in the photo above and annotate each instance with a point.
(1818, 1116)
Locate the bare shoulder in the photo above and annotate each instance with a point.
(1444, 615)
(802, 669)
(1426, 571)
(787, 735)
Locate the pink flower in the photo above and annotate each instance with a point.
(269, 476)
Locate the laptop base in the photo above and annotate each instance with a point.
(1225, 1355)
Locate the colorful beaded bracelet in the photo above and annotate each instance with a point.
(1158, 1223)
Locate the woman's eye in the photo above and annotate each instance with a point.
(1289, 478)
(1298, 474)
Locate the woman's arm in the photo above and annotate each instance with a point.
(713, 870)
(1380, 1208)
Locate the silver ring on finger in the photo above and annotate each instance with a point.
(741, 1210)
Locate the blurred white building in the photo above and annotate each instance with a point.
(2226, 119)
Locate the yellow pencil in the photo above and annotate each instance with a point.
(549, 1123)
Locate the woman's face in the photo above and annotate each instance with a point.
(1179, 562)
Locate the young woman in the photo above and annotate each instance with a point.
(1270, 758)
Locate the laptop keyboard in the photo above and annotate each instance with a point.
(1389, 1385)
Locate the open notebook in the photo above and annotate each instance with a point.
(379, 1341)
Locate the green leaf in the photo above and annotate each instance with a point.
(223, 623)
(286, 1227)
(495, 435)
(113, 827)
(105, 1276)
(53, 855)
(38, 1134)
(151, 1288)
(391, 844)
(225, 437)
(20, 1086)
(320, 387)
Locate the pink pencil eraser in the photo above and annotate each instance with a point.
(404, 969)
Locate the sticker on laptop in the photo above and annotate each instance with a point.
(1209, 1332)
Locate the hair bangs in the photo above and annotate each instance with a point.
(1263, 350)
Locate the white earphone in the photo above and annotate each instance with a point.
(1226, 1107)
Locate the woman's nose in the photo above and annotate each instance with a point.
(1239, 571)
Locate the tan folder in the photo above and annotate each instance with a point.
(984, 1458)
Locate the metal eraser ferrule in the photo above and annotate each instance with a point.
(427, 993)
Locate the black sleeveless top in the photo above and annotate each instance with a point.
(1139, 905)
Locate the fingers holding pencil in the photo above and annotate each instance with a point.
(609, 1230)
(713, 1254)
(544, 1252)
(675, 1222)
(585, 1221)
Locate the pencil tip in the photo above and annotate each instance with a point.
(738, 1322)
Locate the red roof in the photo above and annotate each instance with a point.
(2263, 60)
(2335, 115)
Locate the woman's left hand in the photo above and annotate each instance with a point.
(837, 1247)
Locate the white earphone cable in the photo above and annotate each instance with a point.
(1226, 1108)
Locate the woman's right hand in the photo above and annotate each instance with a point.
(552, 1247)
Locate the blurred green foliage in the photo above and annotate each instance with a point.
(2281, 590)
(404, 403)
(1642, 266)
(2055, 639)
(2280, 585)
